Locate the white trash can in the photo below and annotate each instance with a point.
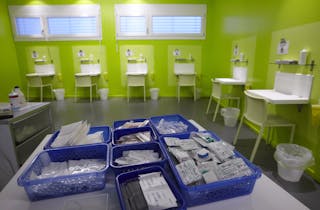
(292, 160)
(154, 92)
(59, 94)
(103, 92)
(230, 116)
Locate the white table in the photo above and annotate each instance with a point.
(266, 195)
(275, 97)
(40, 74)
(229, 81)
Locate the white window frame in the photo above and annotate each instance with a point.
(44, 12)
(150, 10)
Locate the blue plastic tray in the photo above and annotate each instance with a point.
(119, 123)
(117, 152)
(106, 136)
(178, 118)
(215, 191)
(38, 189)
(122, 178)
(122, 132)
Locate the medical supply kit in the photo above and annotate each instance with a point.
(144, 156)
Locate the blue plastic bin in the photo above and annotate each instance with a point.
(177, 118)
(38, 189)
(106, 136)
(117, 152)
(122, 132)
(124, 177)
(215, 191)
(119, 123)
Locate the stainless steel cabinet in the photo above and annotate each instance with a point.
(21, 134)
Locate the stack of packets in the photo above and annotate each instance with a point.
(133, 157)
(132, 124)
(203, 159)
(139, 137)
(77, 134)
(170, 127)
(148, 191)
(55, 169)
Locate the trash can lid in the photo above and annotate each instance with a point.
(293, 155)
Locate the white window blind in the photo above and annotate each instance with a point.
(177, 24)
(28, 26)
(72, 25)
(132, 24)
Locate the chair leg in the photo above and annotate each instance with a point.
(97, 95)
(28, 93)
(238, 103)
(216, 111)
(75, 94)
(90, 94)
(255, 148)
(41, 93)
(292, 133)
(128, 92)
(51, 92)
(209, 104)
(238, 131)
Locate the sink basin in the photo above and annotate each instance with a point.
(44, 69)
(90, 68)
(184, 68)
(137, 69)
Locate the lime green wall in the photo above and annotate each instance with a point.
(10, 75)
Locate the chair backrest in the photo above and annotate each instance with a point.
(240, 73)
(35, 81)
(83, 81)
(293, 84)
(255, 109)
(216, 89)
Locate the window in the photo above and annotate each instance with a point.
(72, 26)
(28, 26)
(64, 22)
(133, 25)
(160, 21)
(176, 24)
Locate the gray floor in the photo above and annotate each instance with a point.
(106, 112)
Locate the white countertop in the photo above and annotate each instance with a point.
(275, 97)
(266, 195)
(136, 73)
(87, 74)
(40, 74)
(229, 81)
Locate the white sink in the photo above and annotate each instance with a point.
(44, 69)
(184, 68)
(137, 69)
(90, 68)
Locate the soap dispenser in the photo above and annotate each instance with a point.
(303, 57)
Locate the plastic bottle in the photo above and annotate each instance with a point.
(14, 100)
(303, 57)
(22, 99)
